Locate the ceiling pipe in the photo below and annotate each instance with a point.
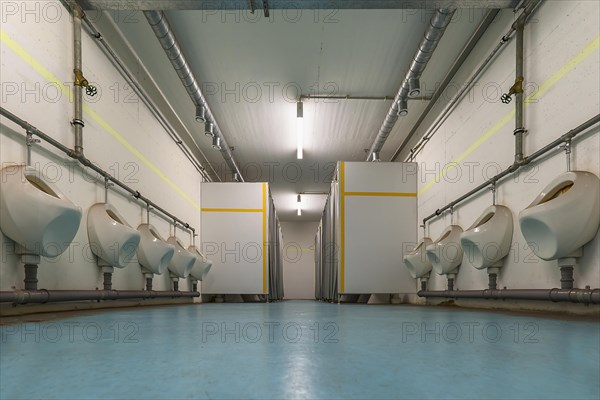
(437, 26)
(165, 35)
(206, 5)
(128, 76)
(458, 62)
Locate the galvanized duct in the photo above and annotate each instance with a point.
(437, 26)
(159, 24)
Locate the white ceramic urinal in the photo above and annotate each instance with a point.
(154, 254)
(182, 261)
(563, 217)
(112, 240)
(445, 254)
(488, 240)
(417, 262)
(201, 266)
(35, 214)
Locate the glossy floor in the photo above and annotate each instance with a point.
(300, 349)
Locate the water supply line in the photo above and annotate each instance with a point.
(517, 90)
(129, 78)
(528, 11)
(89, 164)
(165, 35)
(569, 136)
(410, 85)
(80, 82)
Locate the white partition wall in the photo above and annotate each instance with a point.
(235, 231)
(377, 224)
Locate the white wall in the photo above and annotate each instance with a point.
(144, 156)
(299, 259)
(561, 66)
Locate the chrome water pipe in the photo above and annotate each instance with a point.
(87, 163)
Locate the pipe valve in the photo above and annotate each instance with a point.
(516, 88)
(80, 80)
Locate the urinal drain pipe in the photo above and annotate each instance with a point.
(194, 287)
(53, 296)
(423, 284)
(450, 284)
(566, 277)
(176, 285)
(585, 296)
(107, 281)
(492, 283)
(31, 280)
(149, 284)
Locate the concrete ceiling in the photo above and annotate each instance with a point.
(251, 69)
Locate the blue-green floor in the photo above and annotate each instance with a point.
(300, 349)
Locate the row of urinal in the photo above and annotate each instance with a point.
(42, 221)
(558, 223)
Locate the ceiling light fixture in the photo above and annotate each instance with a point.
(414, 87)
(216, 143)
(200, 114)
(209, 129)
(402, 107)
(299, 129)
(299, 199)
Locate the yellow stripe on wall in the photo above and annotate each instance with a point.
(50, 77)
(264, 235)
(567, 67)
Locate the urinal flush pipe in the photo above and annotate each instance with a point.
(29, 141)
(567, 147)
(107, 184)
